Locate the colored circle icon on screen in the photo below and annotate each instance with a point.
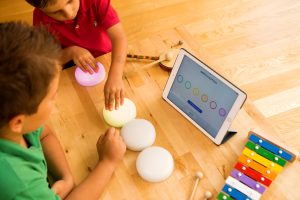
(222, 112)
(204, 98)
(196, 91)
(188, 85)
(179, 78)
(213, 105)
(87, 79)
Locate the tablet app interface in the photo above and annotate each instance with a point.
(201, 96)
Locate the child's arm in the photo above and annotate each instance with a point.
(57, 163)
(111, 149)
(81, 57)
(114, 87)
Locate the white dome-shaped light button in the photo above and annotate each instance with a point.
(138, 134)
(154, 164)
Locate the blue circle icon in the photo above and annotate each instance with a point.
(179, 78)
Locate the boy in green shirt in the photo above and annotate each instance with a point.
(29, 76)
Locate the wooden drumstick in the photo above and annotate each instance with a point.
(142, 57)
(167, 56)
(199, 175)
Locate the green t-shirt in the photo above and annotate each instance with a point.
(23, 172)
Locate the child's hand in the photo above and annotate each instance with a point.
(63, 187)
(113, 92)
(111, 146)
(84, 59)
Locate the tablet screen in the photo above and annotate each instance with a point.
(201, 96)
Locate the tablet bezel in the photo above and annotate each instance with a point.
(241, 98)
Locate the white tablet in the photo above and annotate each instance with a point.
(203, 96)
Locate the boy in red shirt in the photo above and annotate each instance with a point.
(86, 30)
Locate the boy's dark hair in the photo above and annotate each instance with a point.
(41, 3)
(29, 59)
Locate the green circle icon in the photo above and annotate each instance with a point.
(188, 85)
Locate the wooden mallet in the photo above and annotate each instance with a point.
(168, 56)
(199, 175)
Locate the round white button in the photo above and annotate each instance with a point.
(125, 113)
(87, 79)
(138, 134)
(154, 164)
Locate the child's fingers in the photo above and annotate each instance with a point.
(83, 66)
(92, 62)
(122, 96)
(117, 100)
(117, 132)
(87, 67)
(111, 100)
(94, 65)
(110, 132)
(106, 94)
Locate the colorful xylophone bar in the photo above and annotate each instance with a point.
(261, 161)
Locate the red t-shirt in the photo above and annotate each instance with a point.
(88, 30)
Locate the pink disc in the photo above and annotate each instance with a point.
(87, 79)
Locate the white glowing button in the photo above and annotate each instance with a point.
(125, 113)
(87, 79)
(154, 164)
(138, 134)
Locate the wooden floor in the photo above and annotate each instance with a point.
(254, 43)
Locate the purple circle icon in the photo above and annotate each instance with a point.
(213, 105)
(222, 112)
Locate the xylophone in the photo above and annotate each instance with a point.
(261, 161)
